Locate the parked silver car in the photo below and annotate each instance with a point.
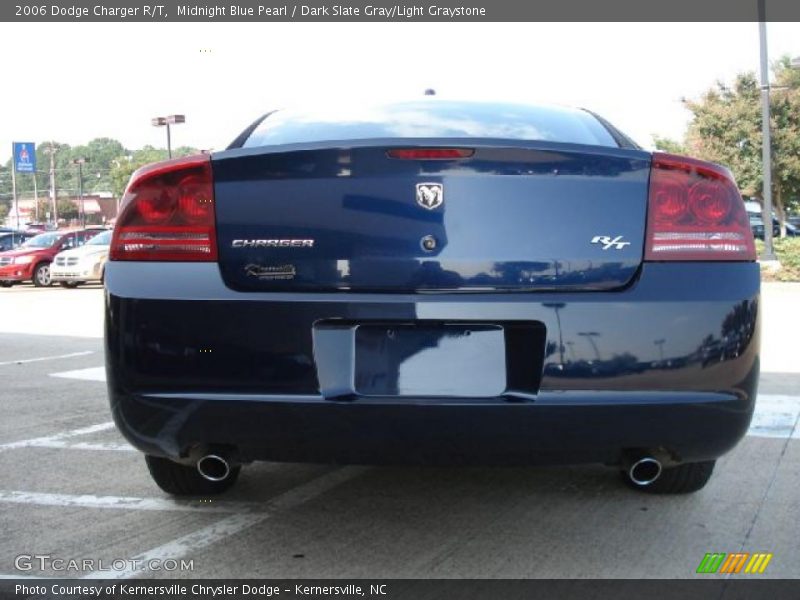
(85, 263)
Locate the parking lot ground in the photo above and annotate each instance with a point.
(70, 487)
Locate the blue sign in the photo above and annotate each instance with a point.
(25, 157)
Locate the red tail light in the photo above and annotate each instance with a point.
(430, 153)
(168, 213)
(695, 212)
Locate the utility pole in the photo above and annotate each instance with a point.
(14, 188)
(766, 140)
(35, 195)
(52, 152)
(80, 162)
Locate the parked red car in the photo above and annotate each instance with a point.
(31, 260)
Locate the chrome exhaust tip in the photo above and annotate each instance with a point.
(644, 471)
(213, 467)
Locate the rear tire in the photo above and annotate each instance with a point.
(683, 479)
(183, 480)
(6, 284)
(41, 275)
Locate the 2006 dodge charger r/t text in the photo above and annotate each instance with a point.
(432, 282)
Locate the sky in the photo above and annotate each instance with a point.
(87, 80)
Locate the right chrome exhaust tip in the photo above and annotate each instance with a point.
(213, 467)
(644, 471)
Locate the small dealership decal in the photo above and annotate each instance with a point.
(271, 271)
(736, 562)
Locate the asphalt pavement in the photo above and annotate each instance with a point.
(71, 488)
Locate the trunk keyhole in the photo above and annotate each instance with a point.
(428, 243)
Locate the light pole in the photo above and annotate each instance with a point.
(167, 121)
(80, 162)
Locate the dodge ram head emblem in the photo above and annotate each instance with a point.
(430, 195)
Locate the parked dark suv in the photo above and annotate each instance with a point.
(11, 239)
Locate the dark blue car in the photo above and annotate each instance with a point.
(432, 282)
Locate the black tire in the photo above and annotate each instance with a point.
(41, 275)
(6, 284)
(683, 479)
(183, 480)
(70, 284)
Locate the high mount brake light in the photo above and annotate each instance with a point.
(168, 213)
(430, 153)
(695, 212)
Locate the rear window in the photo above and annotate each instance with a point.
(431, 119)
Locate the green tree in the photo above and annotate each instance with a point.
(96, 173)
(668, 145)
(726, 128)
(67, 209)
(786, 138)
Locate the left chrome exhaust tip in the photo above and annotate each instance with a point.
(213, 467)
(644, 471)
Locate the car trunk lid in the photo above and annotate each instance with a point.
(501, 216)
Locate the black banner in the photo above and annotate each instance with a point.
(404, 589)
(366, 10)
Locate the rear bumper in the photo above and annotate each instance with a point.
(555, 429)
(669, 363)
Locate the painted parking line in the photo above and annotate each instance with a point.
(57, 437)
(129, 503)
(90, 374)
(24, 361)
(776, 416)
(232, 525)
(70, 445)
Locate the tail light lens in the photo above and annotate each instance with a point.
(168, 213)
(695, 212)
